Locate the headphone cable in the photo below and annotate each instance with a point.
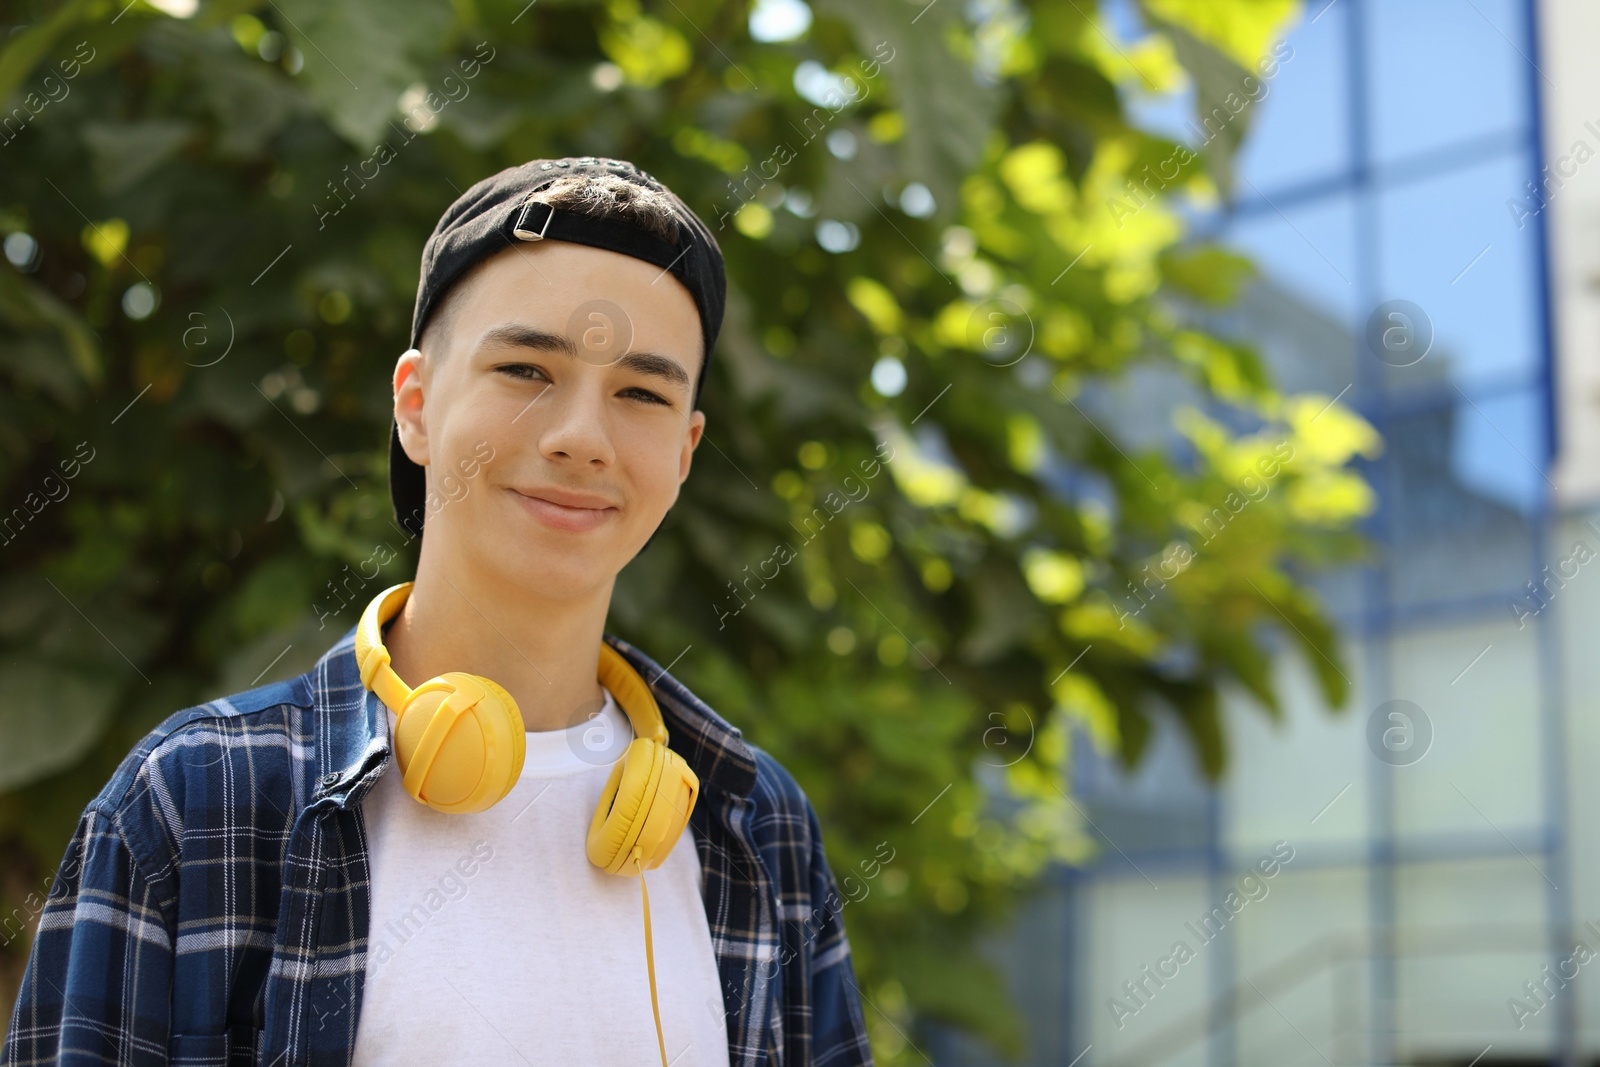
(649, 956)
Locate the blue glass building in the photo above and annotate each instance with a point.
(1436, 902)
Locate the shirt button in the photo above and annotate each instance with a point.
(329, 779)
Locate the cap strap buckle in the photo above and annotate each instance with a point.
(529, 235)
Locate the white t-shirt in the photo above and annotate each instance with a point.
(495, 941)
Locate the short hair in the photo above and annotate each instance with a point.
(605, 196)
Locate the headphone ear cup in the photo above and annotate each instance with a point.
(670, 807)
(645, 804)
(616, 823)
(471, 757)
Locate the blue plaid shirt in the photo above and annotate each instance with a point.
(213, 905)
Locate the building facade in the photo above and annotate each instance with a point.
(1412, 879)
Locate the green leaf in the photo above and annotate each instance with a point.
(250, 101)
(28, 47)
(360, 55)
(1317, 636)
(27, 307)
(947, 113)
(124, 153)
(1004, 611)
(1240, 31)
(1222, 107)
(1208, 273)
(50, 717)
(1200, 714)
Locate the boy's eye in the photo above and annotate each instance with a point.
(526, 372)
(646, 395)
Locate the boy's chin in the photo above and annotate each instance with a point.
(564, 567)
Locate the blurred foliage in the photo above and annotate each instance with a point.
(213, 223)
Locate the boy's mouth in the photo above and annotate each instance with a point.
(563, 509)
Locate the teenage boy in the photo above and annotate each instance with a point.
(410, 853)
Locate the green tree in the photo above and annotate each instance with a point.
(925, 549)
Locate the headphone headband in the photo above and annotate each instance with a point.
(372, 657)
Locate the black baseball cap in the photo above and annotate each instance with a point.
(498, 213)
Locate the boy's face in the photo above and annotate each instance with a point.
(576, 366)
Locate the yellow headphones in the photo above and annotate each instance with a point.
(460, 742)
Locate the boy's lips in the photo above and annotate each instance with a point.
(563, 509)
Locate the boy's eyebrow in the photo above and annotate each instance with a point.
(522, 336)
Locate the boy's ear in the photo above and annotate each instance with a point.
(691, 441)
(408, 406)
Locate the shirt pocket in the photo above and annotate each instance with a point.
(238, 1047)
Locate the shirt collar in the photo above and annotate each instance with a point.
(354, 727)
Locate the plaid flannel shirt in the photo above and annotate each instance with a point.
(213, 904)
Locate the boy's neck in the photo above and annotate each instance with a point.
(544, 653)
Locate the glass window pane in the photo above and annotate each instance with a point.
(1306, 348)
(1454, 478)
(1310, 765)
(1133, 926)
(1475, 780)
(1452, 995)
(1307, 917)
(1301, 126)
(1498, 448)
(1309, 252)
(1449, 245)
(1444, 71)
